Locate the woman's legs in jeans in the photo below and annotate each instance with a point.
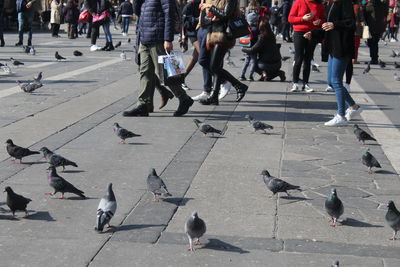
(253, 63)
(245, 65)
(125, 24)
(107, 33)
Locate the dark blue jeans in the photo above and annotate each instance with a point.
(250, 62)
(25, 19)
(204, 59)
(125, 24)
(336, 69)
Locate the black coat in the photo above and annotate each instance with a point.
(71, 13)
(91, 6)
(266, 48)
(126, 8)
(190, 14)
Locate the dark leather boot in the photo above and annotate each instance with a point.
(241, 90)
(110, 47)
(139, 111)
(212, 100)
(185, 102)
(165, 96)
(105, 47)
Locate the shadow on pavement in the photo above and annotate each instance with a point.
(384, 172)
(178, 200)
(40, 216)
(72, 171)
(129, 227)
(217, 244)
(356, 223)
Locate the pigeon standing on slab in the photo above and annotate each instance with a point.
(393, 54)
(368, 68)
(123, 133)
(38, 78)
(16, 202)
(129, 40)
(106, 209)
(156, 185)
(77, 53)
(315, 68)
(258, 125)
(362, 135)
(206, 128)
(335, 264)
(61, 185)
(16, 62)
(58, 56)
(370, 161)
(334, 206)
(32, 51)
(26, 49)
(396, 77)
(29, 87)
(55, 159)
(194, 229)
(393, 218)
(18, 152)
(123, 55)
(118, 44)
(277, 185)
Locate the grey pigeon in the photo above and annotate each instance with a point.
(285, 58)
(393, 218)
(123, 133)
(26, 49)
(206, 128)
(118, 44)
(393, 54)
(77, 53)
(6, 69)
(16, 202)
(291, 50)
(396, 77)
(370, 161)
(368, 68)
(334, 206)
(123, 55)
(396, 65)
(32, 51)
(335, 264)
(38, 78)
(16, 62)
(129, 40)
(29, 87)
(56, 160)
(362, 135)
(156, 185)
(258, 125)
(194, 229)
(382, 64)
(315, 68)
(61, 185)
(106, 209)
(58, 56)
(277, 185)
(18, 152)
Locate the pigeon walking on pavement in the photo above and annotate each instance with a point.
(106, 209)
(156, 185)
(393, 218)
(258, 125)
(370, 161)
(77, 53)
(32, 51)
(129, 40)
(123, 55)
(118, 44)
(368, 68)
(61, 185)
(123, 133)
(396, 77)
(334, 206)
(18, 152)
(285, 58)
(29, 87)
(194, 229)
(315, 68)
(206, 128)
(38, 78)
(56, 160)
(58, 56)
(276, 185)
(362, 135)
(16, 202)
(16, 62)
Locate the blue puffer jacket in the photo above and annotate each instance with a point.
(156, 23)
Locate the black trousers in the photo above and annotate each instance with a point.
(55, 28)
(373, 46)
(304, 51)
(95, 32)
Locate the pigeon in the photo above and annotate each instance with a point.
(61, 185)
(58, 56)
(29, 87)
(38, 78)
(396, 65)
(156, 185)
(118, 44)
(16, 62)
(123, 133)
(16, 202)
(258, 125)
(367, 69)
(194, 229)
(55, 159)
(129, 40)
(18, 152)
(334, 206)
(6, 69)
(393, 218)
(362, 135)
(291, 50)
(396, 77)
(32, 51)
(285, 58)
(335, 264)
(314, 68)
(106, 209)
(393, 54)
(370, 161)
(26, 49)
(382, 64)
(277, 185)
(206, 128)
(77, 53)
(397, 52)
(123, 55)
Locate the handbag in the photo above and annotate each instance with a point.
(173, 68)
(101, 17)
(366, 34)
(245, 41)
(237, 27)
(84, 16)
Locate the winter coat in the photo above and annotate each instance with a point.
(91, 5)
(55, 16)
(375, 13)
(303, 7)
(126, 8)
(156, 23)
(190, 14)
(266, 48)
(21, 6)
(71, 12)
(285, 10)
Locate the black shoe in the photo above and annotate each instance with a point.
(242, 78)
(2, 43)
(212, 100)
(110, 47)
(139, 111)
(150, 108)
(184, 104)
(241, 89)
(167, 95)
(18, 44)
(282, 75)
(105, 47)
(29, 43)
(374, 62)
(250, 79)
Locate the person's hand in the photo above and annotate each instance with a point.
(317, 22)
(168, 46)
(328, 26)
(203, 6)
(28, 5)
(214, 18)
(308, 17)
(307, 35)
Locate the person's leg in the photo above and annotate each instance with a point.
(373, 47)
(308, 56)
(356, 46)
(253, 63)
(146, 71)
(246, 63)
(299, 50)
(128, 19)
(1, 29)
(94, 32)
(57, 29)
(204, 60)
(89, 26)
(337, 69)
(20, 28)
(29, 18)
(193, 59)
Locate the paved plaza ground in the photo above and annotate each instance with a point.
(82, 97)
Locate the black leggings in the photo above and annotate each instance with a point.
(55, 28)
(304, 50)
(95, 32)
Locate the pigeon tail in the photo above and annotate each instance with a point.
(71, 163)
(103, 218)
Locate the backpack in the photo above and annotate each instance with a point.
(275, 16)
(178, 18)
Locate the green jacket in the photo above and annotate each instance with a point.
(375, 13)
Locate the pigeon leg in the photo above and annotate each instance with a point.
(191, 248)
(49, 193)
(289, 195)
(197, 242)
(370, 171)
(394, 236)
(155, 199)
(63, 168)
(122, 142)
(334, 222)
(110, 226)
(62, 196)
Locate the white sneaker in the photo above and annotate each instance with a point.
(202, 96)
(314, 63)
(337, 120)
(393, 40)
(329, 89)
(295, 88)
(350, 113)
(94, 48)
(307, 88)
(347, 86)
(224, 90)
(124, 34)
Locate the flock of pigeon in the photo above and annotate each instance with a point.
(382, 65)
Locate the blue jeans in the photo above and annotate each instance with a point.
(125, 24)
(336, 70)
(204, 59)
(107, 33)
(249, 62)
(25, 18)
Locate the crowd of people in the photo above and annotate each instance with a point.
(337, 24)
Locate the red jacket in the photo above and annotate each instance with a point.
(302, 7)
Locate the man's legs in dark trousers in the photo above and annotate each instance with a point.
(147, 72)
(373, 47)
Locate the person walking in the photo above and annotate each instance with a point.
(25, 12)
(125, 12)
(1, 24)
(251, 58)
(99, 8)
(338, 35)
(71, 15)
(285, 10)
(55, 17)
(156, 29)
